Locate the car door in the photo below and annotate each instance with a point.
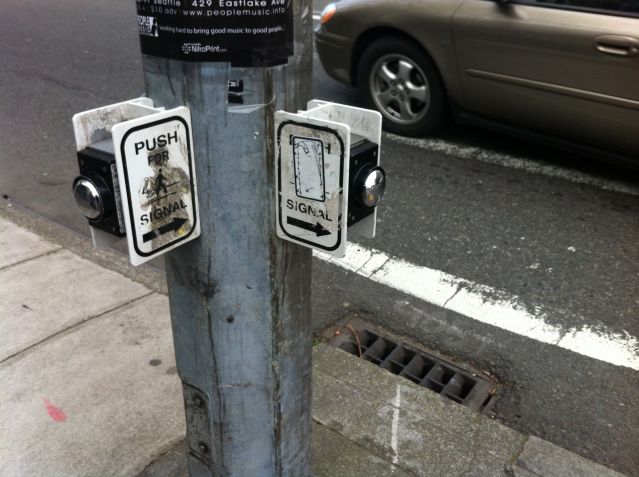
(561, 67)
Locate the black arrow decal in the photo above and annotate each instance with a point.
(317, 228)
(170, 227)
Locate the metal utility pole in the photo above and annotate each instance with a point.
(240, 297)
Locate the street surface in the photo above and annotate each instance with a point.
(547, 239)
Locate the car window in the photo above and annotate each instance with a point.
(627, 7)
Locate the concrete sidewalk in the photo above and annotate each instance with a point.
(88, 384)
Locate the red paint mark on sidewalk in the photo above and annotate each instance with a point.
(54, 412)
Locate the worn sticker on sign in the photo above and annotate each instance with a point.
(156, 174)
(311, 176)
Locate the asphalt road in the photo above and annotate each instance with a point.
(556, 230)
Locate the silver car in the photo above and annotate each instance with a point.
(565, 70)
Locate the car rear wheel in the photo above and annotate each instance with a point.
(398, 79)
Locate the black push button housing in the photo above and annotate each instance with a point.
(98, 174)
(363, 162)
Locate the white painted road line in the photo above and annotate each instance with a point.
(528, 165)
(485, 304)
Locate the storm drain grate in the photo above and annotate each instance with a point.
(427, 370)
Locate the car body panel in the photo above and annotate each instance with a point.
(534, 65)
(335, 53)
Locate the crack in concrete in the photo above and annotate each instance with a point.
(369, 450)
(69, 329)
(379, 268)
(177, 444)
(45, 254)
(520, 450)
(364, 264)
(459, 287)
(474, 445)
(562, 335)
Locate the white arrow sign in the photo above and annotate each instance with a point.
(156, 174)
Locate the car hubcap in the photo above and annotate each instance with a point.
(399, 89)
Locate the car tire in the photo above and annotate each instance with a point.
(397, 78)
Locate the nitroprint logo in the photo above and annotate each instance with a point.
(199, 48)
